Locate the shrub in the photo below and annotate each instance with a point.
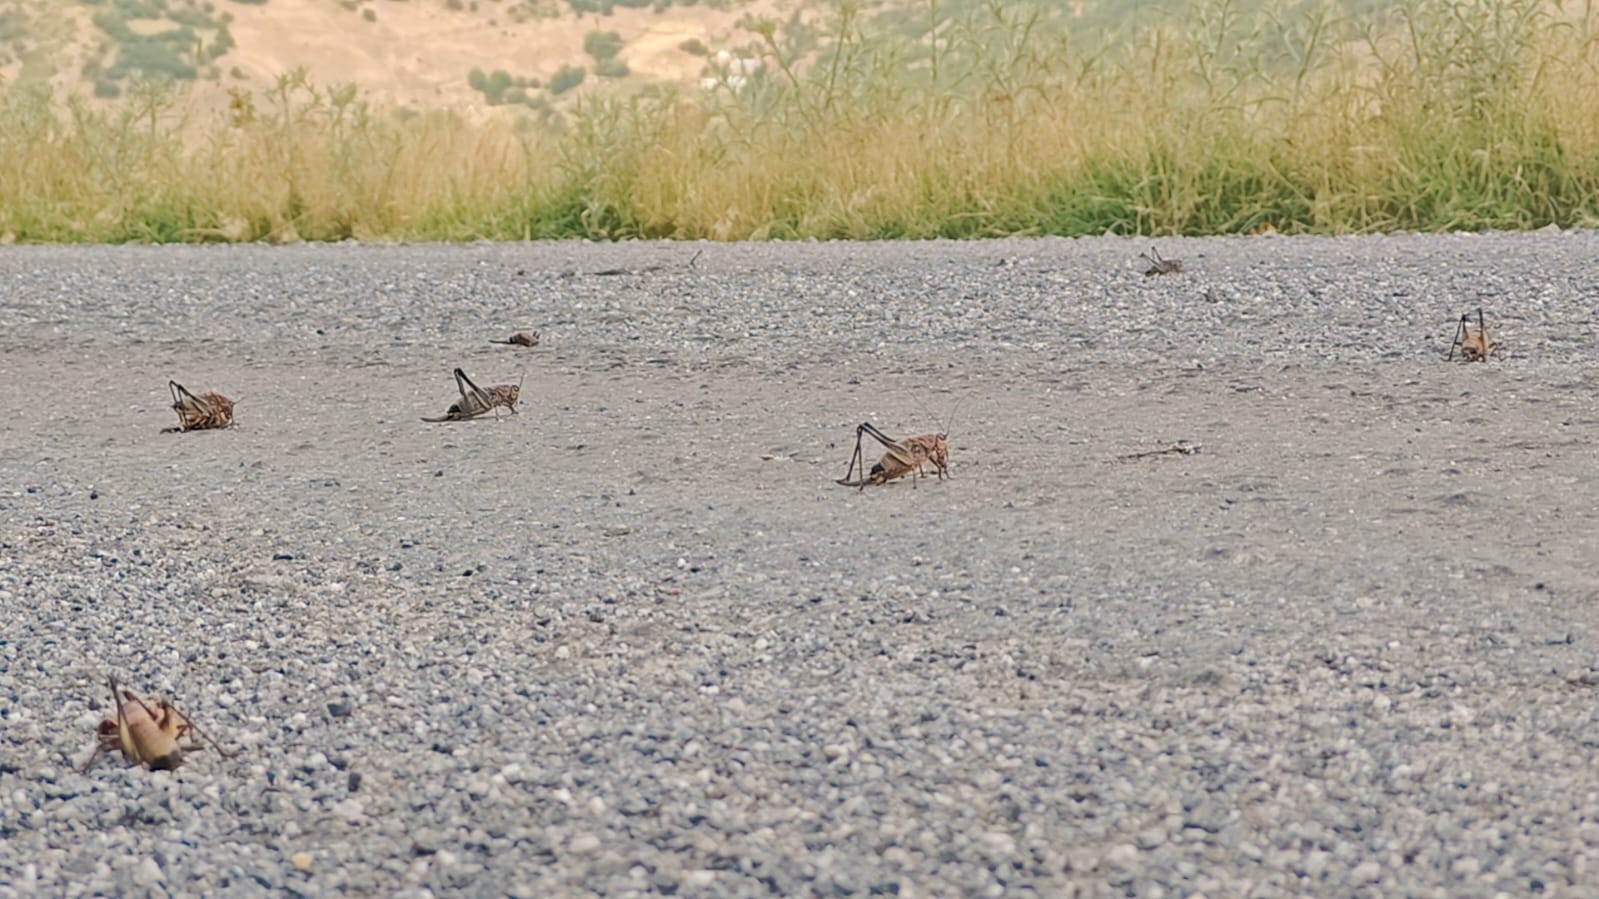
(499, 82)
(566, 78)
(602, 45)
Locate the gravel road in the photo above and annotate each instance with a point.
(635, 641)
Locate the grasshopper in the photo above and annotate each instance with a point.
(199, 413)
(1473, 343)
(149, 734)
(1159, 266)
(476, 401)
(902, 458)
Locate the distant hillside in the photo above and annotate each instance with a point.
(521, 53)
(422, 52)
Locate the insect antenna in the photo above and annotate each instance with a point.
(943, 431)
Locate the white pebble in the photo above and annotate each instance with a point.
(1122, 856)
(148, 873)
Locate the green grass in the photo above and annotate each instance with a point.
(896, 122)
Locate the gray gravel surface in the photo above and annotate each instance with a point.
(634, 641)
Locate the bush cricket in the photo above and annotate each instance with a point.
(147, 735)
(476, 401)
(198, 413)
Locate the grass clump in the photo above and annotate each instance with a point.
(889, 121)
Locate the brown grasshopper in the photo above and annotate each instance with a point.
(903, 457)
(1159, 266)
(521, 338)
(199, 413)
(146, 735)
(476, 401)
(1473, 343)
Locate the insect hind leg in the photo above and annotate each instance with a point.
(1460, 339)
(857, 461)
(868, 428)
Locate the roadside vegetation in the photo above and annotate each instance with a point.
(897, 120)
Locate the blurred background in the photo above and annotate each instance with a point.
(285, 120)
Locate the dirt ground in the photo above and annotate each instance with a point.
(1369, 544)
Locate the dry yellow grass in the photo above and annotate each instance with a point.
(1208, 126)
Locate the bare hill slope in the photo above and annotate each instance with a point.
(400, 52)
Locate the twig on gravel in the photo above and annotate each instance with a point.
(1181, 447)
(612, 272)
